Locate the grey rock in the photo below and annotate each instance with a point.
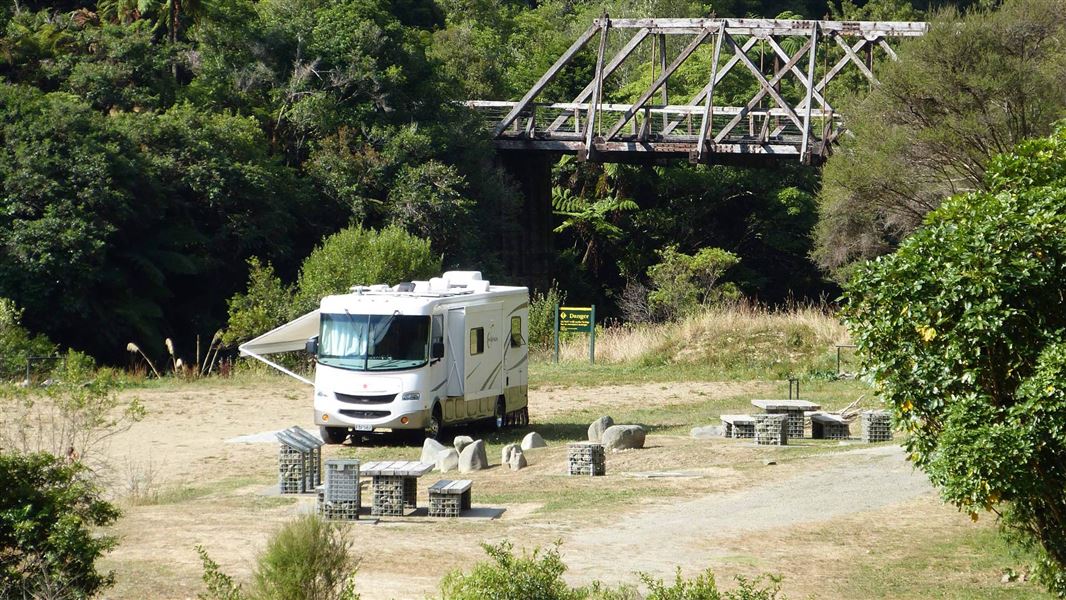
(517, 460)
(462, 441)
(708, 431)
(623, 437)
(430, 448)
(597, 428)
(447, 460)
(473, 457)
(505, 454)
(533, 440)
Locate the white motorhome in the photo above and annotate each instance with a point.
(418, 355)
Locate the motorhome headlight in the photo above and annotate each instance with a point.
(412, 396)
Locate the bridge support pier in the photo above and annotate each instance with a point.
(528, 250)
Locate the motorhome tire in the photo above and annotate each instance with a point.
(333, 435)
(525, 416)
(499, 416)
(435, 425)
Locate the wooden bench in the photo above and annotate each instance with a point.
(449, 497)
(826, 426)
(738, 426)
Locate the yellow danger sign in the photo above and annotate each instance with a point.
(575, 318)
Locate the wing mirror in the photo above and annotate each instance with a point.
(438, 350)
(312, 346)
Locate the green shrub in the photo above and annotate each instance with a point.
(542, 316)
(533, 576)
(307, 559)
(75, 415)
(963, 331)
(357, 256)
(16, 343)
(266, 304)
(538, 576)
(48, 509)
(683, 283)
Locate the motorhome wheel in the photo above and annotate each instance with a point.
(333, 435)
(435, 426)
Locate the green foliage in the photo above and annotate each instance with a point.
(266, 304)
(537, 575)
(16, 343)
(542, 316)
(358, 256)
(533, 576)
(962, 330)
(683, 283)
(971, 88)
(307, 559)
(74, 416)
(48, 509)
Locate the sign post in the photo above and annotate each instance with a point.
(580, 319)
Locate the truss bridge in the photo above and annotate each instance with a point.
(778, 77)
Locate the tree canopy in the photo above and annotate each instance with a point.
(962, 330)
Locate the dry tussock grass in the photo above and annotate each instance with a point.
(741, 334)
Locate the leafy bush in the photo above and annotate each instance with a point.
(538, 576)
(963, 331)
(307, 559)
(358, 256)
(47, 511)
(74, 416)
(542, 316)
(533, 576)
(16, 343)
(682, 283)
(266, 304)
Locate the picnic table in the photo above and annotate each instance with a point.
(395, 485)
(793, 408)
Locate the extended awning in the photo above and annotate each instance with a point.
(290, 337)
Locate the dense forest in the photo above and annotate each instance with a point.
(151, 152)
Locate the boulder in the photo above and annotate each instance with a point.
(623, 437)
(447, 460)
(430, 448)
(473, 457)
(707, 431)
(533, 440)
(597, 428)
(462, 441)
(517, 460)
(505, 454)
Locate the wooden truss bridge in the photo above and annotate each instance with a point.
(789, 67)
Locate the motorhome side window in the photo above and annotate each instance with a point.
(437, 335)
(477, 341)
(516, 332)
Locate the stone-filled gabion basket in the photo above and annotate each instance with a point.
(339, 498)
(299, 461)
(393, 495)
(876, 426)
(771, 430)
(586, 458)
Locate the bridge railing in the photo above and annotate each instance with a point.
(678, 123)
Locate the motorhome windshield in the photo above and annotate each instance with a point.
(373, 342)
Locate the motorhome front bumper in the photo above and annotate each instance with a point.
(370, 419)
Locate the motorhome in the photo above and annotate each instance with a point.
(419, 355)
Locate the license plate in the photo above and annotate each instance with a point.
(363, 427)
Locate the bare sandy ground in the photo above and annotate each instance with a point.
(215, 494)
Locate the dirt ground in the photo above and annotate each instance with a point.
(693, 503)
